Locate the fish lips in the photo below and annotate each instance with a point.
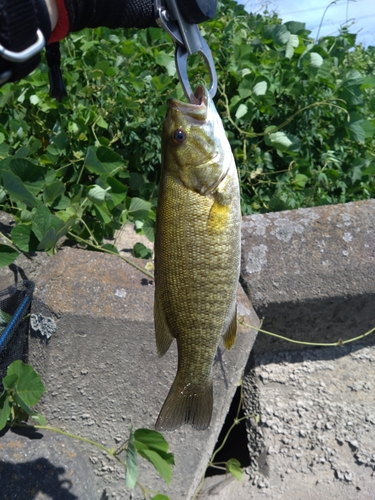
(198, 111)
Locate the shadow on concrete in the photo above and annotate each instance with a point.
(318, 321)
(299, 356)
(28, 480)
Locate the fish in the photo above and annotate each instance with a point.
(197, 254)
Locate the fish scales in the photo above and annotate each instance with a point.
(197, 255)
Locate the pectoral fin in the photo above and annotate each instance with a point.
(230, 335)
(163, 335)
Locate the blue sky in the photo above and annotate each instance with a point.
(359, 12)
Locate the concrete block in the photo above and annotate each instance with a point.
(311, 272)
(102, 372)
(43, 465)
(314, 432)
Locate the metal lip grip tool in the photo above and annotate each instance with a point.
(171, 15)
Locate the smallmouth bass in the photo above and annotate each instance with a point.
(197, 255)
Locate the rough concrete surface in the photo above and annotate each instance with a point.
(43, 465)
(312, 427)
(311, 272)
(102, 372)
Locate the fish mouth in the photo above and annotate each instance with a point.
(197, 111)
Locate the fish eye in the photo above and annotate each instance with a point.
(179, 136)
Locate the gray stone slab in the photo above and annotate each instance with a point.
(311, 272)
(43, 465)
(102, 372)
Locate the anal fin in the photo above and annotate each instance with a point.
(230, 335)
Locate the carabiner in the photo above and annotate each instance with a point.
(188, 40)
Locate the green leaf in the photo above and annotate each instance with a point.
(283, 142)
(131, 463)
(17, 190)
(316, 60)
(368, 82)
(167, 61)
(5, 409)
(356, 130)
(295, 27)
(280, 34)
(292, 43)
(22, 236)
(32, 176)
(21, 403)
(300, 180)
(92, 163)
(109, 159)
(159, 496)
(102, 123)
(118, 191)
(10, 381)
(7, 255)
(48, 228)
(147, 439)
(102, 213)
(139, 208)
(162, 466)
(53, 191)
(141, 251)
(260, 88)
(61, 141)
(353, 78)
(370, 170)
(369, 128)
(153, 440)
(241, 111)
(34, 99)
(233, 467)
(149, 229)
(29, 384)
(98, 195)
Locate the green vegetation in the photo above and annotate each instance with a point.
(299, 116)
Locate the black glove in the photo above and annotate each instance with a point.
(24, 22)
(79, 14)
(75, 15)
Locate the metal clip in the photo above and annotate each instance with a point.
(24, 55)
(188, 40)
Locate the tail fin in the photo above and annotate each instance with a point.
(186, 404)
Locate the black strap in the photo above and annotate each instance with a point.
(56, 83)
(20, 21)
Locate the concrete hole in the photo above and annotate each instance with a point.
(236, 444)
